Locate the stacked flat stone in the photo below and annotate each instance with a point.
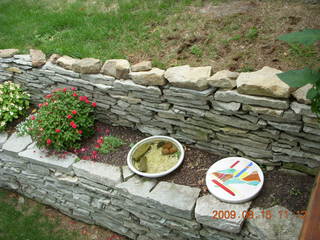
(251, 114)
(139, 208)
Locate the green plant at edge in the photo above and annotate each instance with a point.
(109, 144)
(308, 75)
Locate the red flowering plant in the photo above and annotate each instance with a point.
(62, 120)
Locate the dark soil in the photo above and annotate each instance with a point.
(290, 191)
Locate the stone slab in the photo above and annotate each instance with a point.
(189, 77)
(101, 173)
(40, 157)
(137, 187)
(234, 96)
(174, 199)
(302, 109)
(208, 203)
(3, 138)
(126, 173)
(7, 53)
(154, 77)
(16, 143)
(282, 224)
(263, 82)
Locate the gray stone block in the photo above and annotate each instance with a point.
(60, 70)
(279, 227)
(204, 214)
(16, 144)
(101, 173)
(126, 173)
(231, 121)
(3, 138)
(174, 199)
(37, 156)
(302, 109)
(234, 96)
(137, 187)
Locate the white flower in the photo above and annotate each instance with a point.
(2, 124)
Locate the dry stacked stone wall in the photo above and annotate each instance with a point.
(250, 114)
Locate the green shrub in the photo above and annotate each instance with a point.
(62, 120)
(13, 103)
(108, 144)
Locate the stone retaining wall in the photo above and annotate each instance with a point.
(254, 115)
(139, 208)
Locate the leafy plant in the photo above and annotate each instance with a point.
(197, 51)
(108, 144)
(13, 103)
(23, 127)
(62, 120)
(308, 75)
(252, 33)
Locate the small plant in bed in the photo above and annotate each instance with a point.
(108, 144)
(62, 120)
(13, 103)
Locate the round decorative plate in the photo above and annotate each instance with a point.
(234, 179)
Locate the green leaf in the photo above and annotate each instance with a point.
(299, 78)
(312, 93)
(306, 37)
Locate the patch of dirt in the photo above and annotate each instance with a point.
(236, 35)
(279, 188)
(225, 9)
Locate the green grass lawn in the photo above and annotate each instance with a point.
(168, 32)
(26, 223)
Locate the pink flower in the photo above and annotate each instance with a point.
(75, 94)
(80, 131)
(46, 103)
(73, 89)
(74, 112)
(97, 146)
(49, 141)
(83, 98)
(58, 130)
(73, 125)
(94, 104)
(65, 89)
(32, 117)
(40, 105)
(94, 152)
(48, 96)
(100, 141)
(87, 101)
(107, 131)
(69, 116)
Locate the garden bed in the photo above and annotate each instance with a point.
(289, 189)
